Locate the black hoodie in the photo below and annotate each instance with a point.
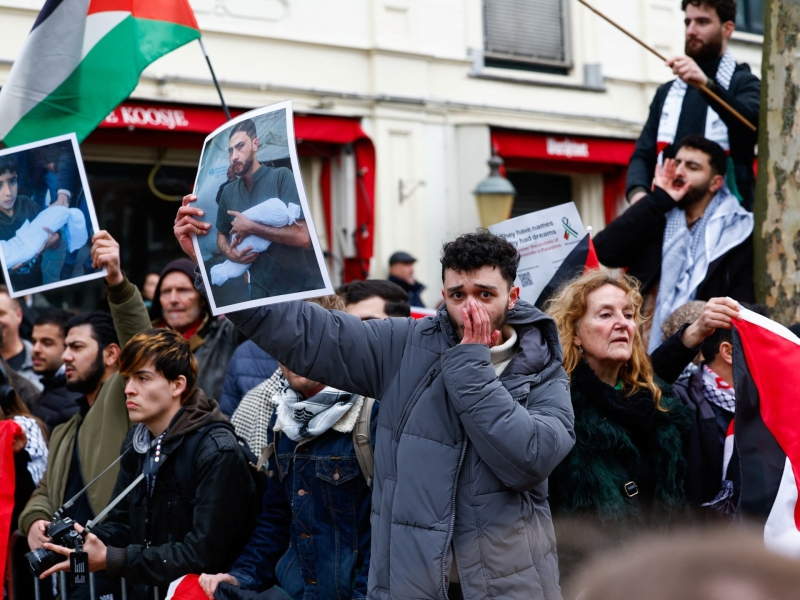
(154, 539)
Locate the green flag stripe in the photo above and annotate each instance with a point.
(103, 79)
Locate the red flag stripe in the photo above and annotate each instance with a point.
(768, 349)
(172, 11)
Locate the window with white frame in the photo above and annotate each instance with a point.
(526, 34)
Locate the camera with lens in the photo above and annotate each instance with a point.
(62, 533)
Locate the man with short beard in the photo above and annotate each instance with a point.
(83, 447)
(687, 240)
(680, 108)
(475, 415)
(289, 265)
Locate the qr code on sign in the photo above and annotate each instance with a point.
(525, 279)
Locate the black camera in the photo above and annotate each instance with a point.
(61, 532)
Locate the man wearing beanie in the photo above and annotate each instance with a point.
(177, 305)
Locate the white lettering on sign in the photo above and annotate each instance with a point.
(567, 148)
(169, 118)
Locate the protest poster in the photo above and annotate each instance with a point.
(262, 246)
(47, 217)
(543, 239)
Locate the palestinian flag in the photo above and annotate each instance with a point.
(767, 427)
(84, 57)
(186, 588)
(582, 258)
(9, 429)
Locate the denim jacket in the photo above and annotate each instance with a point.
(317, 505)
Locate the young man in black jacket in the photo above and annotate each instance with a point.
(56, 404)
(195, 509)
(680, 108)
(687, 240)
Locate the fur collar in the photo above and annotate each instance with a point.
(635, 412)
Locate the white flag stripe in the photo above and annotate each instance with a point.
(50, 54)
(98, 25)
(173, 588)
(768, 324)
(780, 532)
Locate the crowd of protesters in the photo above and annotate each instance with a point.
(339, 448)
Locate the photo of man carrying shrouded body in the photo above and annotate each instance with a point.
(289, 264)
(45, 223)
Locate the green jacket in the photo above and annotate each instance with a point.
(104, 430)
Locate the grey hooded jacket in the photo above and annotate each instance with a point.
(461, 457)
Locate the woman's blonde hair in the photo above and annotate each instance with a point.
(568, 307)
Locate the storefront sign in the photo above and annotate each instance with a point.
(543, 240)
(526, 145)
(567, 148)
(164, 118)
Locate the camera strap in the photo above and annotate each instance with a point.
(113, 503)
(72, 500)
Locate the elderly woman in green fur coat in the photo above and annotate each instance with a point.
(626, 472)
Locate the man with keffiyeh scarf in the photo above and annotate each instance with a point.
(681, 108)
(687, 240)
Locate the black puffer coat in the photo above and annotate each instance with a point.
(56, 404)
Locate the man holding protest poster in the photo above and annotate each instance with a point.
(289, 264)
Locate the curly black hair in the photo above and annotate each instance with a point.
(473, 251)
(726, 9)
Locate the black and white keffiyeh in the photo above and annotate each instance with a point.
(715, 129)
(36, 447)
(717, 391)
(303, 418)
(687, 253)
(251, 418)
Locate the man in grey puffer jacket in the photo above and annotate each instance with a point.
(475, 414)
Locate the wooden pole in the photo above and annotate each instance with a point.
(647, 46)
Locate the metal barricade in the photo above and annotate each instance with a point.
(63, 589)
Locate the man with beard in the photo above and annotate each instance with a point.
(475, 415)
(680, 108)
(689, 239)
(289, 265)
(83, 447)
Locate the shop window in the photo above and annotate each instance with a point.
(537, 191)
(750, 16)
(526, 34)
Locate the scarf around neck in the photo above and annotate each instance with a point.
(304, 418)
(635, 413)
(687, 253)
(715, 129)
(717, 391)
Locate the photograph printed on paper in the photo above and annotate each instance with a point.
(47, 217)
(262, 247)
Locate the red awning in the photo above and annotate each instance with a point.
(185, 126)
(515, 146)
(531, 151)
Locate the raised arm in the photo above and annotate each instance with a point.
(332, 347)
(126, 303)
(328, 346)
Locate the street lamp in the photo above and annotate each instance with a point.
(495, 195)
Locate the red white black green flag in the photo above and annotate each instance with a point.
(767, 427)
(82, 58)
